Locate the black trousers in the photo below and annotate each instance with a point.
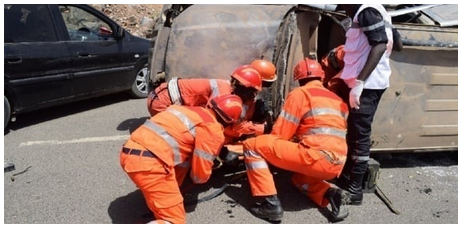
(359, 132)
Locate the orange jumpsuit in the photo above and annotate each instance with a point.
(332, 64)
(197, 92)
(316, 118)
(245, 126)
(189, 92)
(158, 155)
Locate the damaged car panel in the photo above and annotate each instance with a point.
(418, 111)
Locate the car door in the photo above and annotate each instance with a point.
(37, 64)
(97, 54)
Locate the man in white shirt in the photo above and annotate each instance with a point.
(366, 71)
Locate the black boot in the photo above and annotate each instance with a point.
(268, 207)
(337, 199)
(354, 189)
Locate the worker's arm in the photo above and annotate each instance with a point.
(208, 142)
(290, 117)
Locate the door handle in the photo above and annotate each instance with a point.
(83, 54)
(13, 60)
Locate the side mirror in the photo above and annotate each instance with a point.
(119, 33)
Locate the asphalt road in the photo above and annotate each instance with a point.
(67, 171)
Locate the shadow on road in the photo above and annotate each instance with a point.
(40, 116)
(130, 209)
(133, 209)
(131, 124)
(404, 160)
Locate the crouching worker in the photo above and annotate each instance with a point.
(316, 117)
(159, 153)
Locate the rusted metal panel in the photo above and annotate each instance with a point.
(212, 40)
(438, 130)
(441, 105)
(419, 110)
(440, 79)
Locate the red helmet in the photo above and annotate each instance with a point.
(334, 59)
(266, 69)
(248, 76)
(228, 107)
(308, 68)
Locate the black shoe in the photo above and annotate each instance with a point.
(353, 198)
(337, 199)
(352, 186)
(268, 208)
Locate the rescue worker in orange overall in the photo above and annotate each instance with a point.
(158, 154)
(316, 117)
(256, 120)
(333, 64)
(246, 82)
(189, 92)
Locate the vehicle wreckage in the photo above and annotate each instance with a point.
(417, 113)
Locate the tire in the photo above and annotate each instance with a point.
(7, 112)
(139, 88)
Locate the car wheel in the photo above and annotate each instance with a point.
(7, 112)
(139, 88)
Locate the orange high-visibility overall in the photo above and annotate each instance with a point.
(314, 116)
(339, 87)
(158, 155)
(332, 63)
(197, 92)
(189, 92)
(245, 126)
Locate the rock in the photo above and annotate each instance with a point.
(137, 19)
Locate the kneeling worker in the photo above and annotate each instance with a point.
(159, 153)
(316, 117)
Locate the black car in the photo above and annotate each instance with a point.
(56, 54)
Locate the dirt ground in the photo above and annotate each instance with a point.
(137, 19)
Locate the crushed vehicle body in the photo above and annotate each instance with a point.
(418, 112)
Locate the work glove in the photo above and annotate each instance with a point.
(354, 94)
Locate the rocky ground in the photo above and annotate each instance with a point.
(137, 19)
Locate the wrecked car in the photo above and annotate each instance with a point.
(417, 113)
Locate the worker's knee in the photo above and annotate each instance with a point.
(260, 143)
(173, 214)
